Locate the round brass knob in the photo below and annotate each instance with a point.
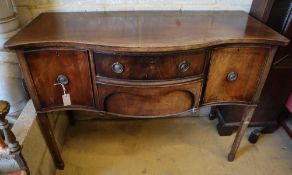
(62, 79)
(183, 66)
(117, 67)
(232, 76)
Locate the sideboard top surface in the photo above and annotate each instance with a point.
(144, 31)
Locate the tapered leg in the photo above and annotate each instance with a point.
(48, 134)
(247, 115)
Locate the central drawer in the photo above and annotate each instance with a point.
(150, 67)
(151, 100)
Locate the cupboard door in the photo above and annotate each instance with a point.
(47, 65)
(234, 74)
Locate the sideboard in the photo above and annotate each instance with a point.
(144, 64)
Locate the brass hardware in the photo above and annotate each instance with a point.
(62, 79)
(232, 76)
(117, 67)
(183, 66)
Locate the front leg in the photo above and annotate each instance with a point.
(247, 115)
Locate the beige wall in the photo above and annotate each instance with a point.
(28, 9)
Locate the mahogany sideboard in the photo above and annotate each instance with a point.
(144, 64)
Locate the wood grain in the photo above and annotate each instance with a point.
(46, 65)
(149, 100)
(28, 79)
(247, 62)
(154, 67)
(148, 31)
(246, 117)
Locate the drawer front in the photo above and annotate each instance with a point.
(149, 100)
(234, 74)
(155, 67)
(45, 67)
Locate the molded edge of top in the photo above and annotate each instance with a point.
(14, 43)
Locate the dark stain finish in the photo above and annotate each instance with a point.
(46, 65)
(154, 67)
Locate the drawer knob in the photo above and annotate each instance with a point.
(62, 79)
(117, 67)
(232, 76)
(183, 66)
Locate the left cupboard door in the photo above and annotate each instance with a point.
(71, 67)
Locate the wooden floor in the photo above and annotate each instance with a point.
(177, 146)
